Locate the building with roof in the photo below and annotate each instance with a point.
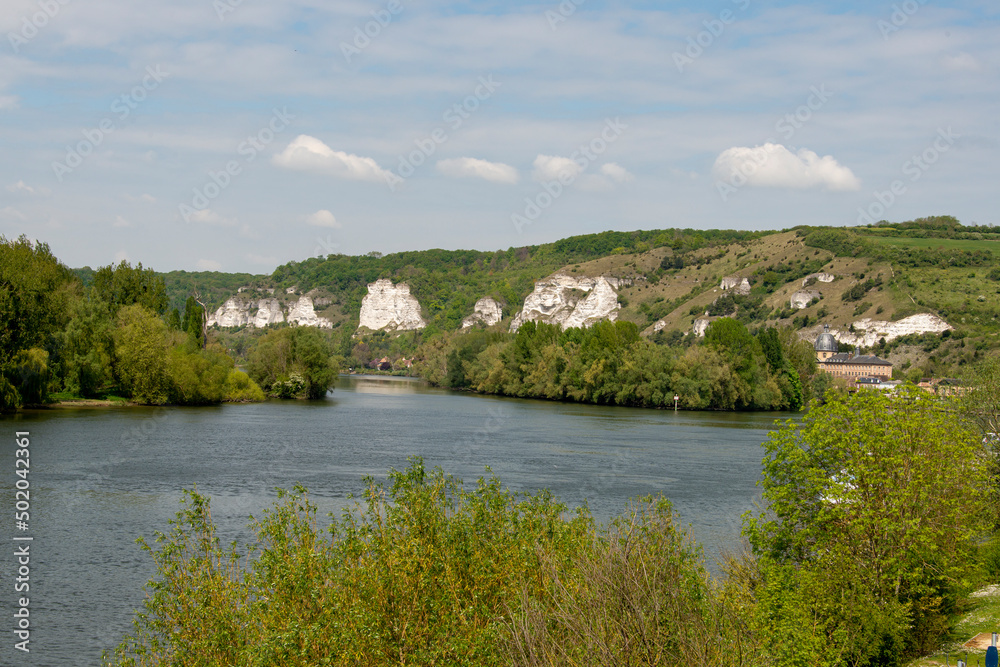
(851, 366)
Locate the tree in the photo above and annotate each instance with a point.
(123, 285)
(140, 362)
(876, 509)
(86, 347)
(300, 356)
(35, 289)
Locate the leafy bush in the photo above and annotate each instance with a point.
(241, 389)
(424, 572)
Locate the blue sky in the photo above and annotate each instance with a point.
(237, 135)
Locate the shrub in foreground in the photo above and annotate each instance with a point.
(427, 572)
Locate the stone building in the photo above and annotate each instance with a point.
(848, 365)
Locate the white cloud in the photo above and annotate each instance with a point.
(209, 217)
(11, 212)
(551, 167)
(616, 172)
(121, 256)
(773, 165)
(322, 218)
(148, 199)
(310, 154)
(962, 61)
(496, 172)
(121, 222)
(209, 265)
(23, 188)
(9, 102)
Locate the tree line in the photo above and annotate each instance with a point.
(610, 363)
(117, 337)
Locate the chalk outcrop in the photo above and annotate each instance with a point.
(486, 311)
(821, 277)
(569, 302)
(389, 307)
(235, 312)
(268, 312)
(239, 311)
(802, 298)
(700, 325)
(735, 284)
(304, 314)
(867, 331)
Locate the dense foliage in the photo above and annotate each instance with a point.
(875, 512)
(429, 572)
(294, 362)
(59, 336)
(610, 363)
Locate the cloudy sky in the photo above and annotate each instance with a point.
(237, 135)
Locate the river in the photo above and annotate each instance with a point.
(101, 477)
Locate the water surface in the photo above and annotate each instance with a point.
(102, 477)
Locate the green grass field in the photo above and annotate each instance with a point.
(958, 244)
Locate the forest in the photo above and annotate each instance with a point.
(118, 340)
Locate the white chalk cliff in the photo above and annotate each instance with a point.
(235, 312)
(238, 312)
(556, 300)
(821, 277)
(802, 299)
(737, 284)
(268, 312)
(867, 331)
(486, 310)
(390, 307)
(304, 314)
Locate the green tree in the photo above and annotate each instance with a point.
(140, 356)
(296, 360)
(35, 290)
(123, 285)
(197, 376)
(875, 511)
(86, 347)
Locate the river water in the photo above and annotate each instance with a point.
(102, 477)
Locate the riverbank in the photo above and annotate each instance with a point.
(975, 625)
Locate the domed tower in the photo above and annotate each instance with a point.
(826, 345)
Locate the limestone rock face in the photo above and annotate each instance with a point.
(737, 284)
(867, 331)
(821, 277)
(234, 312)
(268, 312)
(802, 298)
(700, 325)
(487, 311)
(304, 315)
(389, 307)
(557, 300)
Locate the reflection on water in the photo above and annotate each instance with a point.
(101, 478)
